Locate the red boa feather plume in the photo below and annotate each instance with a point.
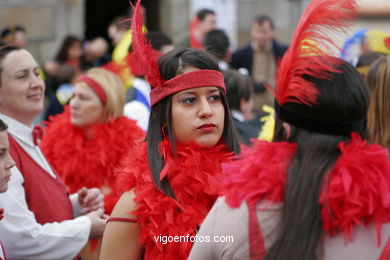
(357, 191)
(313, 39)
(143, 53)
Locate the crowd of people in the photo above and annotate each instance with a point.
(147, 151)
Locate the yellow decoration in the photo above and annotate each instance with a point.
(267, 130)
(376, 41)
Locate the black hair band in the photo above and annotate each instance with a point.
(319, 125)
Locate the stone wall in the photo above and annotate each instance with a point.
(47, 22)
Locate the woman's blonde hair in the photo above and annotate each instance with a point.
(114, 89)
(378, 80)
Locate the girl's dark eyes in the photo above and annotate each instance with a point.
(188, 100)
(215, 97)
(191, 100)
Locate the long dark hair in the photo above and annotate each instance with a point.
(4, 51)
(345, 97)
(171, 65)
(62, 54)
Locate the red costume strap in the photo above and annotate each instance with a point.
(193, 79)
(386, 252)
(96, 87)
(132, 220)
(256, 240)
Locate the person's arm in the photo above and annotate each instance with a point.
(24, 238)
(121, 236)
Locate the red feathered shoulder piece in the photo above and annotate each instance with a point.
(89, 160)
(357, 193)
(192, 176)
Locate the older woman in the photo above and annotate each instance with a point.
(39, 221)
(87, 141)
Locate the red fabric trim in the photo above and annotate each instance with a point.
(96, 87)
(2, 248)
(132, 220)
(75, 155)
(386, 252)
(256, 239)
(193, 79)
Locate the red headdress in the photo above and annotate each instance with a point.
(95, 86)
(310, 54)
(145, 58)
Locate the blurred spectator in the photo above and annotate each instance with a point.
(365, 60)
(259, 58)
(117, 29)
(217, 43)
(204, 21)
(63, 94)
(69, 54)
(14, 35)
(160, 41)
(378, 80)
(95, 53)
(239, 93)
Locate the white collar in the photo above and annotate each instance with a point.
(18, 130)
(238, 115)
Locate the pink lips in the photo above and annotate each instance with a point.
(37, 96)
(207, 127)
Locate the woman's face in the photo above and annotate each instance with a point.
(6, 162)
(74, 51)
(85, 106)
(22, 88)
(198, 115)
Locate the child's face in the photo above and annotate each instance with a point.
(6, 162)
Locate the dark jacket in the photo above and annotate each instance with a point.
(243, 57)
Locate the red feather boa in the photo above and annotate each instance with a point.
(89, 162)
(192, 176)
(358, 191)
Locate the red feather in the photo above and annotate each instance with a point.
(193, 178)
(357, 193)
(143, 53)
(312, 40)
(387, 42)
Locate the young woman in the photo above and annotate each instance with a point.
(378, 80)
(171, 182)
(87, 141)
(320, 191)
(6, 163)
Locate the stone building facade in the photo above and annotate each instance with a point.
(48, 21)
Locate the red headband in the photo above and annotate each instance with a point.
(96, 87)
(193, 79)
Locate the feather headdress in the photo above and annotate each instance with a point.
(312, 41)
(145, 57)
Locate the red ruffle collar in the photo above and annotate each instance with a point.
(358, 191)
(89, 161)
(193, 178)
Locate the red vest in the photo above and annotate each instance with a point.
(46, 196)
